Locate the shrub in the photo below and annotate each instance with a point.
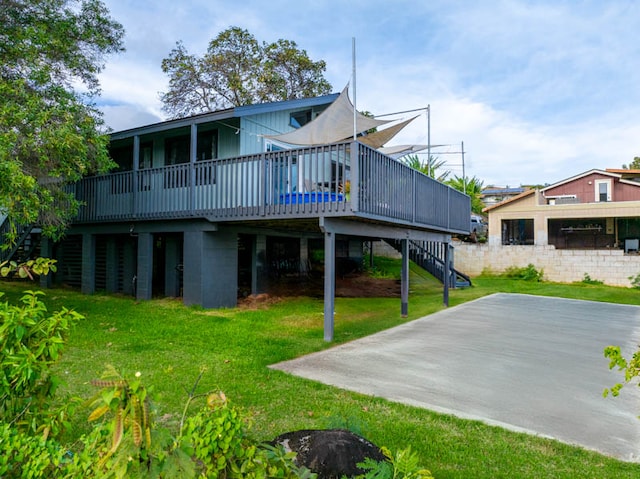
(125, 441)
(588, 280)
(527, 273)
(22, 455)
(31, 341)
(631, 368)
(402, 465)
(212, 443)
(635, 281)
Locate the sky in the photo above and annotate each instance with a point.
(533, 92)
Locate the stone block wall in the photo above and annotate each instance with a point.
(613, 266)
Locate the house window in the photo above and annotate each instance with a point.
(270, 145)
(603, 190)
(300, 118)
(207, 145)
(146, 155)
(123, 156)
(176, 150)
(517, 232)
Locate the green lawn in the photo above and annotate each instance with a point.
(170, 344)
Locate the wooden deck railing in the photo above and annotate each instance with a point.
(345, 179)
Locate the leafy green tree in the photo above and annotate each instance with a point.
(31, 341)
(634, 165)
(289, 73)
(237, 70)
(429, 168)
(472, 187)
(51, 52)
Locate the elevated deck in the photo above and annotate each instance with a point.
(347, 180)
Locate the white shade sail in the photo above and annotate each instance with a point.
(398, 151)
(331, 126)
(381, 137)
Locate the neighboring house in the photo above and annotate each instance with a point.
(597, 209)
(493, 194)
(585, 224)
(216, 205)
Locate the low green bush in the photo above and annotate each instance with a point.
(588, 280)
(526, 273)
(402, 465)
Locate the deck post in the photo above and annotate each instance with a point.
(192, 168)
(354, 195)
(134, 176)
(447, 274)
(404, 279)
(329, 283)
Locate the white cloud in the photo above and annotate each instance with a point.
(538, 91)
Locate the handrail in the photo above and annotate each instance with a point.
(302, 182)
(10, 248)
(432, 263)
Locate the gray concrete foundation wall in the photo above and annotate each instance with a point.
(210, 269)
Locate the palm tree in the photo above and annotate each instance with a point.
(472, 187)
(429, 168)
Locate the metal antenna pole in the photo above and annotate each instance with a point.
(429, 139)
(464, 177)
(353, 60)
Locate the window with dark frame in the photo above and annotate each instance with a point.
(176, 150)
(518, 232)
(123, 157)
(207, 150)
(300, 118)
(207, 145)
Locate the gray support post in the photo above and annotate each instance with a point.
(144, 276)
(112, 265)
(46, 251)
(329, 283)
(211, 269)
(354, 196)
(134, 175)
(171, 267)
(88, 279)
(447, 274)
(192, 167)
(404, 280)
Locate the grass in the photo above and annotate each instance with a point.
(170, 344)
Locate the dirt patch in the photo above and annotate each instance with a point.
(352, 286)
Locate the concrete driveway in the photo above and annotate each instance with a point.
(526, 363)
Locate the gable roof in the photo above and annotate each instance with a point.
(226, 114)
(610, 173)
(510, 200)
